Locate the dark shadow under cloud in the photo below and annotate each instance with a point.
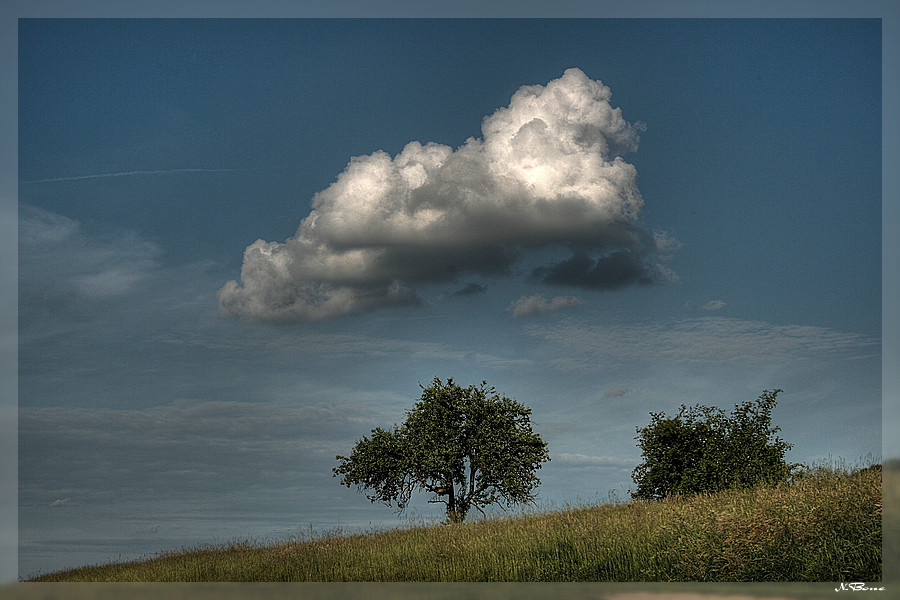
(473, 289)
(618, 269)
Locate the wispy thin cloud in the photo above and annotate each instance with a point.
(148, 446)
(473, 289)
(58, 259)
(708, 339)
(616, 392)
(713, 305)
(137, 173)
(530, 306)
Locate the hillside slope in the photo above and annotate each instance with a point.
(824, 527)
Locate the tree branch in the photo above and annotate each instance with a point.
(434, 489)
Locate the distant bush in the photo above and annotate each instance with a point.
(703, 450)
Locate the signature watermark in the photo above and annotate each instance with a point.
(857, 586)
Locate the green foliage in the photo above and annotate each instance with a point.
(702, 450)
(468, 447)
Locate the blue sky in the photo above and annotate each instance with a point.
(243, 245)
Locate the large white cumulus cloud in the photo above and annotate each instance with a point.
(548, 171)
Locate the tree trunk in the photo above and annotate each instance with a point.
(452, 513)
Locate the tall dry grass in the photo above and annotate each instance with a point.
(825, 526)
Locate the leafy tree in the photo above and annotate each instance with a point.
(466, 446)
(701, 449)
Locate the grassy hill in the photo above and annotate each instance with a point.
(824, 527)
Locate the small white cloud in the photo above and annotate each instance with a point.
(473, 289)
(530, 306)
(713, 305)
(616, 392)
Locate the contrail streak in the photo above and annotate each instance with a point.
(133, 173)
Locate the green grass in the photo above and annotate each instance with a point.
(824, 527)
